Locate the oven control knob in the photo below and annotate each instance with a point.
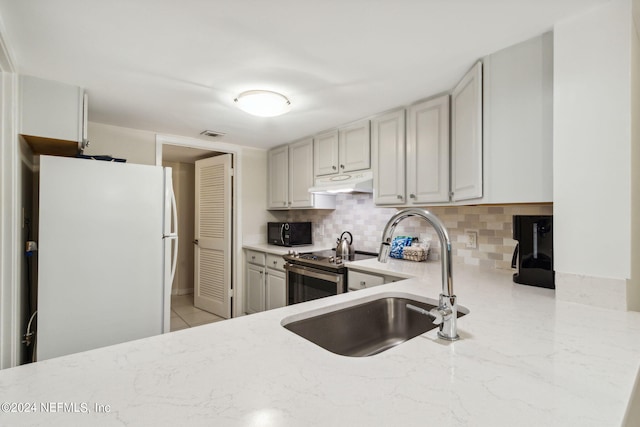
(331, 259)
(296, 254)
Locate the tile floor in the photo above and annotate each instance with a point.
(185, 315)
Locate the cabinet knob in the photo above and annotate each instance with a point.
(334, 168)
(399, 197)
(253, 257)
(275, 262)
(284, 203)
(412, 196)
(363, 284)
(342, 166)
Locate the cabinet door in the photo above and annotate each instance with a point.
(359, 280)
(428, 151)
(51, 109)
(326, 154)
(301, 174)
(466, 136)
(276, 291)
(355, 147)
(254, 289)
(388, 146)
(278, 180)
(518, 136)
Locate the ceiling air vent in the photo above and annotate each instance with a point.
(212, 133)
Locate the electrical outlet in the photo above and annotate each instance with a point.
(472, 239)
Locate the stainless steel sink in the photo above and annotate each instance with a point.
(366, 329)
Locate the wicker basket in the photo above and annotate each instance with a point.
(414, 253)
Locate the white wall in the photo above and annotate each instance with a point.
(592, 149)
(254, 196)
(137, 146)
(633, 286)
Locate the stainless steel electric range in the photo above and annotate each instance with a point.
(314, 275)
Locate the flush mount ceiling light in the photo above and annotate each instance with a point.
(263, 103)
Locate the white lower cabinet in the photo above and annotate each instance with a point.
(254, 289)
(265, 282)
(276, 282)
(359, 280)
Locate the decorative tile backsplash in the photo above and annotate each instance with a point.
(358, 214)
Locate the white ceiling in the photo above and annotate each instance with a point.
(174, 67)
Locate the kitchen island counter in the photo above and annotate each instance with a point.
(523, 359)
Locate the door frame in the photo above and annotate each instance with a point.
(236, 232)
(11, 298)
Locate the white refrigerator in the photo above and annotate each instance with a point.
(107, 251)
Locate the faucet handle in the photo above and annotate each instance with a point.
(438, 314)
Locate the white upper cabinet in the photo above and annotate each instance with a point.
(326, 153)
(466, 136)
(355, 147)
(518, 123)
(290, 175)
(344, 150)
(428, 151)
(301, 174)
(278, 182)
(53, 116)
(388, 147)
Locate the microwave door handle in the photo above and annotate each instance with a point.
(282, 233)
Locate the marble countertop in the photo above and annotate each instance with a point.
(398, 267)
(524, 359)
(282, 250)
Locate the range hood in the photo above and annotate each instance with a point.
(356, 182)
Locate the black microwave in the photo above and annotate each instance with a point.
(289, 233)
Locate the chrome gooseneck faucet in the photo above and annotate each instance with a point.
(447, 308)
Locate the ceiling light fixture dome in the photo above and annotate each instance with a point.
(263, 103)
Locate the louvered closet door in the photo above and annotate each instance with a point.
(213, 235)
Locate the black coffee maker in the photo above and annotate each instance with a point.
(533, 256)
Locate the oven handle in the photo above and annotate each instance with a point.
(312, 272)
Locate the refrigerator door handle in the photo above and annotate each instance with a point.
(174, 234)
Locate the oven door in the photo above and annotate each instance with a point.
(306, 283)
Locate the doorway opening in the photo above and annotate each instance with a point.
(203, 273)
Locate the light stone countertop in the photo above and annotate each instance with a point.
(282, 250)
(525, 359)
(398, 268)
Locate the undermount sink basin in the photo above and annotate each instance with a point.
(366, 328)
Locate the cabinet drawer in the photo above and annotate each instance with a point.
(257, 258)
(358, 280)
(275, 261)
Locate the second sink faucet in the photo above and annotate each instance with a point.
(448, 307)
